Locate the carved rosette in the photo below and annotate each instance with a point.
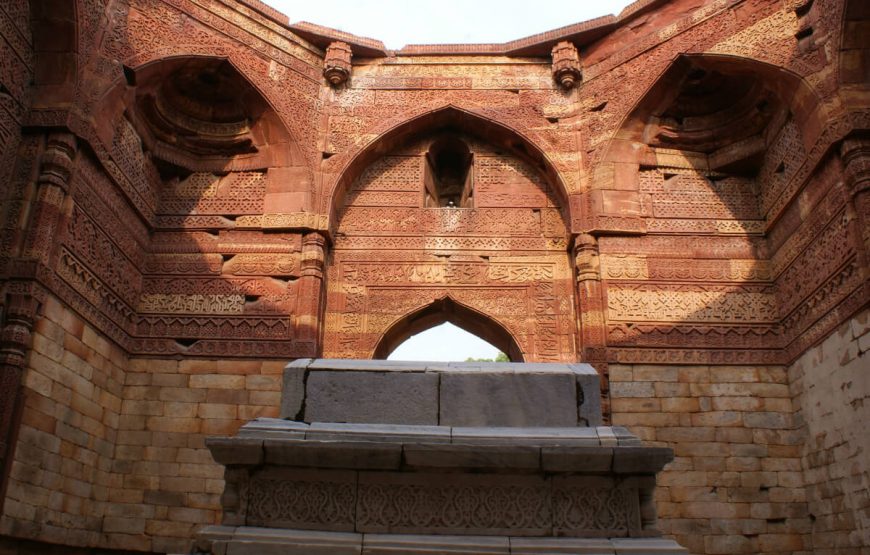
(566, 65)
(337, 63)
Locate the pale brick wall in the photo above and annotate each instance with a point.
(735, 485)
(61, 483)
(111, 451)
(170, 483)
(831, 385)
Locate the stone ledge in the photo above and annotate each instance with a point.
(381, 446)
(227, 540)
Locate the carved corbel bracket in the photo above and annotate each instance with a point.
(337, 63)
(566, 65)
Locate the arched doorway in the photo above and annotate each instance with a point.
(446, 310)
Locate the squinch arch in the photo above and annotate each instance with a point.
(771, 87)
(443, 310)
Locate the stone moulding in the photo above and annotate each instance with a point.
(369, 479)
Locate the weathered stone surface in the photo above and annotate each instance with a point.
(295, 452)
(472, 456)
(469, 399)
(392, 544)
(372, 397)
(569, 459)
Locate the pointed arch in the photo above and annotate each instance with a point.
(442, 310)
(482, 123)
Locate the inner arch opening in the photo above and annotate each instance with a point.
(448, 177)
(447, 343)
(446, 310)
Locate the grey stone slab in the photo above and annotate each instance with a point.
(456, 456)
(293, 390)
(300, 363)
(589, 400)
(486, 399)
(235, 450)
(608, 438)
(647, 546)
(582, 368)
(265, 423)
(394, 433)
(641, 460)
(560, 546)
(525, 436)
(332, 454)
(392, 544)
(372, 397)
(273, 428)
(577, 459)
(213, 539)
(359, 365)
(268, 541)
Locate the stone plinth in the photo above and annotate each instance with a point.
(437, 458)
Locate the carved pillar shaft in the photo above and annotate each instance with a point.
(310, 300)
(19, 312)
(52, 185)
(21, 304)
(855, 155)
(590, 308)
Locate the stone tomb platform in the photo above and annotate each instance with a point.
(385, 457)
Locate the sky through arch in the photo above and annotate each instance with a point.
(444, 342)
